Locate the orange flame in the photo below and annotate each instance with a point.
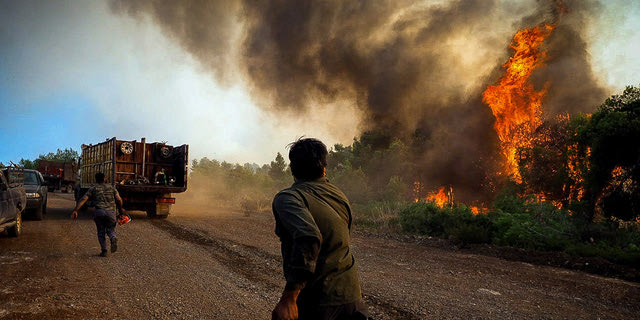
(440, 198)
(514, 101)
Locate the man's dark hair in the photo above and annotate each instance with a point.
(308, 158)
(99, 177)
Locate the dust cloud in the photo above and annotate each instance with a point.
(211, 194)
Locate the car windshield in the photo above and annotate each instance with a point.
(30, 177)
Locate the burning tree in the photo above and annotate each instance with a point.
(613, 136)
(514, 101)
(552, 167)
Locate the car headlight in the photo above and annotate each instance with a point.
(33, 195)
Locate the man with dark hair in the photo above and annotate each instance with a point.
(105, 196)
(313, 222)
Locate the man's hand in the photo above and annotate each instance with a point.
(286, 309)
(74, 214)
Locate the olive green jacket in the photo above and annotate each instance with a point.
(313, 221)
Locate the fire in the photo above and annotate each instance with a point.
(440, 198)
(514, 101)
(418, 190)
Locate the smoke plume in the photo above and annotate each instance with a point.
(414, 70)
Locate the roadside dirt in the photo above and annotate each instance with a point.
(222, 264)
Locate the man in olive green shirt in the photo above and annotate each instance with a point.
(106, 198)
(313, 222)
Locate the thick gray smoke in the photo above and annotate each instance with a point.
(415, 70)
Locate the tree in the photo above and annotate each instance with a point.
(28, 164)
(66, 155)
(553, 166)
(278, 168)
(613, 136)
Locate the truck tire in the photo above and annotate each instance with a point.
(16, 230)
(37, 215)
(151, 213)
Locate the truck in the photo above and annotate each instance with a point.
(59, 175)
(146, 175)
(13, 200)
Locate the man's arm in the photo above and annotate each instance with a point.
(82, 201)
(286, 309)
(301, 265)
(119, 201)
(298, 228)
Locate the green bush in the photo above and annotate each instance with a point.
(378, 215)
(528, 224)
(516, 222)
(424, 218)
(458, 222)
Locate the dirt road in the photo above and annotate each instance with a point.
(220, 264)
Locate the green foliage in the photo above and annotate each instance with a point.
(353, 183)
(458, 223)
(396, 190)
(381, 216)
(613, 136)
(278, 168)
(65, 155)
(594, 161)
(524, 224)
(28, 164)
(375, 167)
(424, 218)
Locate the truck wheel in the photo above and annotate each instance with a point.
(151, 213)
(37, 215)
(16, 230)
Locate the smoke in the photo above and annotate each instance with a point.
(203, 28)
(412, 70)
(572, 85)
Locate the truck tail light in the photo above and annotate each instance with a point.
(166, 200)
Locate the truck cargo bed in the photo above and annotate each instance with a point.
(145, 174)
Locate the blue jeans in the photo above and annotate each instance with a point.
(106, 224)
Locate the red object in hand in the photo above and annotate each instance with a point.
(123, 218)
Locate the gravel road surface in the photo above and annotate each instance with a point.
(205, 263)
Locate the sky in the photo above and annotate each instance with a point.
(75, 72)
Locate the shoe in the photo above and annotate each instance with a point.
(103, 253)
(114, 244)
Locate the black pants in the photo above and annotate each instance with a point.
(350, 311)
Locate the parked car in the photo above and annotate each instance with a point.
(36, 189)
(12, 200)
